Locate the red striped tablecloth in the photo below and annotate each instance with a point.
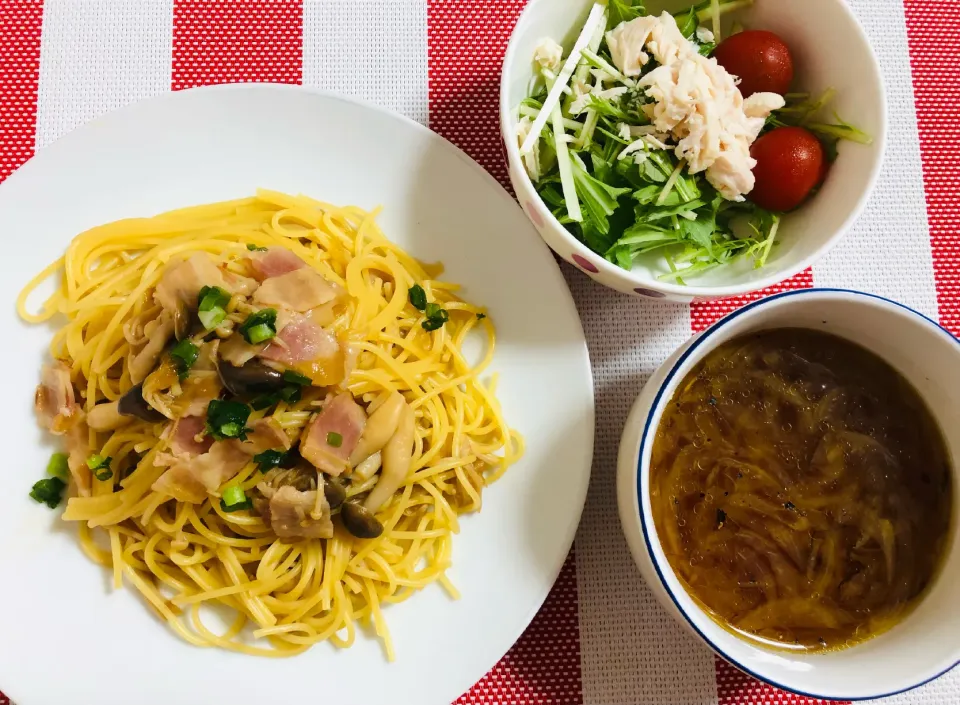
(600, 638)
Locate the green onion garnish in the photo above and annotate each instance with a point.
(100, 466)
(294, 377)
(48, 491)
(291, 393)
(334, 439)
(418, 297)
(227, 419)
(184, 354)
(254, 248)
(212, 306)
(436, 317)
(234, 499)
(269, 459)
(58, 466)
(260, 326)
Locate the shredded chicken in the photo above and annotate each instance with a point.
(332, 436)
(55, 401)
(695, 100)
(548, 54)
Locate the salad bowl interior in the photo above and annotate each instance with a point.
(830, 51)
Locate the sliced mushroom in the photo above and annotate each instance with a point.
(181, 321)
(396, 462)
(335, 492)
(158, 332)
(106, 417)
(368, 467)
(252, 378)
(133, 404)
(360, 521)
(381, 425)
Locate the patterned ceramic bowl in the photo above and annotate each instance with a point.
(830, 50)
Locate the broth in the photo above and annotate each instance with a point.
(801, 490)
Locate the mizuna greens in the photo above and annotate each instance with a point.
(600, 167)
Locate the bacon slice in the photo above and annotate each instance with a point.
(293, 513)
(300, 290)
(275, 262)
(308, 348)
(182, 281)
(192, 479)
(183, 441)
(333, 435)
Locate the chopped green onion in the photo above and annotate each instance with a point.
(58, 466)
(260, 326)
(234, 499)
(212, 318)
(48, 491)
(96, 461)
(418, 297)
(259, 334)
(184, 354)
(269, 459)
(227, 419)
(254, 248)
(212, 306)
(264, 401)
(294, 377)
(334, 439)
(100, 466)
(436, 317)
(291, 393)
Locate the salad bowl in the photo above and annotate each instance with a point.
(830, 51)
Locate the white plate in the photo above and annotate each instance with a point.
(64, 635)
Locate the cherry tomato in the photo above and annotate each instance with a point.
(790, 164)
(760, 59)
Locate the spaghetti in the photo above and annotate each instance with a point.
(184, 553)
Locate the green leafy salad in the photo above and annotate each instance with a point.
(593, 142)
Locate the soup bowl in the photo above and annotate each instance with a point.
(925, 643)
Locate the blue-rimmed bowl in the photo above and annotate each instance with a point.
(927, 642)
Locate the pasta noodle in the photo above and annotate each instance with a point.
(182, 556)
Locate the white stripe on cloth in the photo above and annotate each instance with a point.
(888, 251)
(97, 56)
(375, 50)
(631, 650)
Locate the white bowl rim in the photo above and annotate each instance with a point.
(646, 436)
(513, 157)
